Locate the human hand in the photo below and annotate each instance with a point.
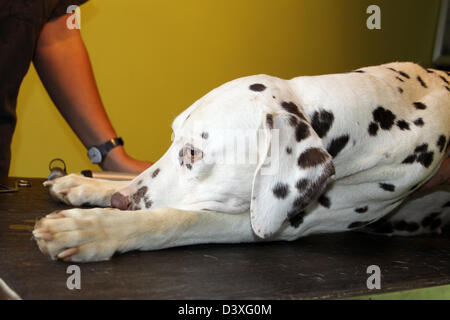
(441, 177)
(118, 160)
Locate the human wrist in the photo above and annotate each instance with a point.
(98, 153)
(114, 159)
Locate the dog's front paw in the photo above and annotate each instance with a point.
(76, 190)
(80, 235)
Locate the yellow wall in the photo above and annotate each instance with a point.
(153, 58)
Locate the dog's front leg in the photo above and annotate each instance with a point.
(83, 235)
(77, 190)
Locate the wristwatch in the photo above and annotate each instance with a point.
(98, 153)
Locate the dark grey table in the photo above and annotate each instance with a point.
(317, 267)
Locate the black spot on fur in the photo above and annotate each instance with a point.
(293, 121)
(155, 173)
(387, 186)
(336, 145)
(420, 155)
(292, 108)
(443, 79)
(205, 135)
(324, 201)
(312, 157)
(421, 148)
(425, 158)
(139, 194)
(139, 182)
(358, 224)
(310, 189)
(301, 131)
(269, 120)
(419, 105)
(281, 190)
(148, 204)
(441, 143)
(428, 220)
(296, 218)
(384, 117)
(189, 166)
(422, 83)
(373, 129)
(302, 184)
(288, 150)
(419, 122)
(359, 71)
(400, 89)
(403, 74)
(403, 125)
(400, 79)
(410, 159)
(322, 122)
(301, 202)
(446, 87)
(258, 87)
(402, 225)
(362, 209)
(430, 71)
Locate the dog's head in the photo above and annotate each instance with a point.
(244, 146)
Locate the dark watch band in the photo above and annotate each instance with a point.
(98, 153)
(109, 145)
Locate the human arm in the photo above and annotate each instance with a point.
(63, 64)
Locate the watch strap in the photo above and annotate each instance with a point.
(109, 145)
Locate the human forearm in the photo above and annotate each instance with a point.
(64, 68)
(63, 65)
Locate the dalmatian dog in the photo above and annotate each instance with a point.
(318, 154)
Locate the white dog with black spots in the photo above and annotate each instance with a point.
(335, 153)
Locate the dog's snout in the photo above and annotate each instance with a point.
(120, 201)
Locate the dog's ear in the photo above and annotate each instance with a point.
(293, 170)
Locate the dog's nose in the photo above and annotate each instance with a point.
(119, 201)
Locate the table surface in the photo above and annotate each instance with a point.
(316, 267)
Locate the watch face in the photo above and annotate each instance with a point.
(95, 155)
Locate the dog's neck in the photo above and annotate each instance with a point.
(340, 95)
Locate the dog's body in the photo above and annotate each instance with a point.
(363, 141)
